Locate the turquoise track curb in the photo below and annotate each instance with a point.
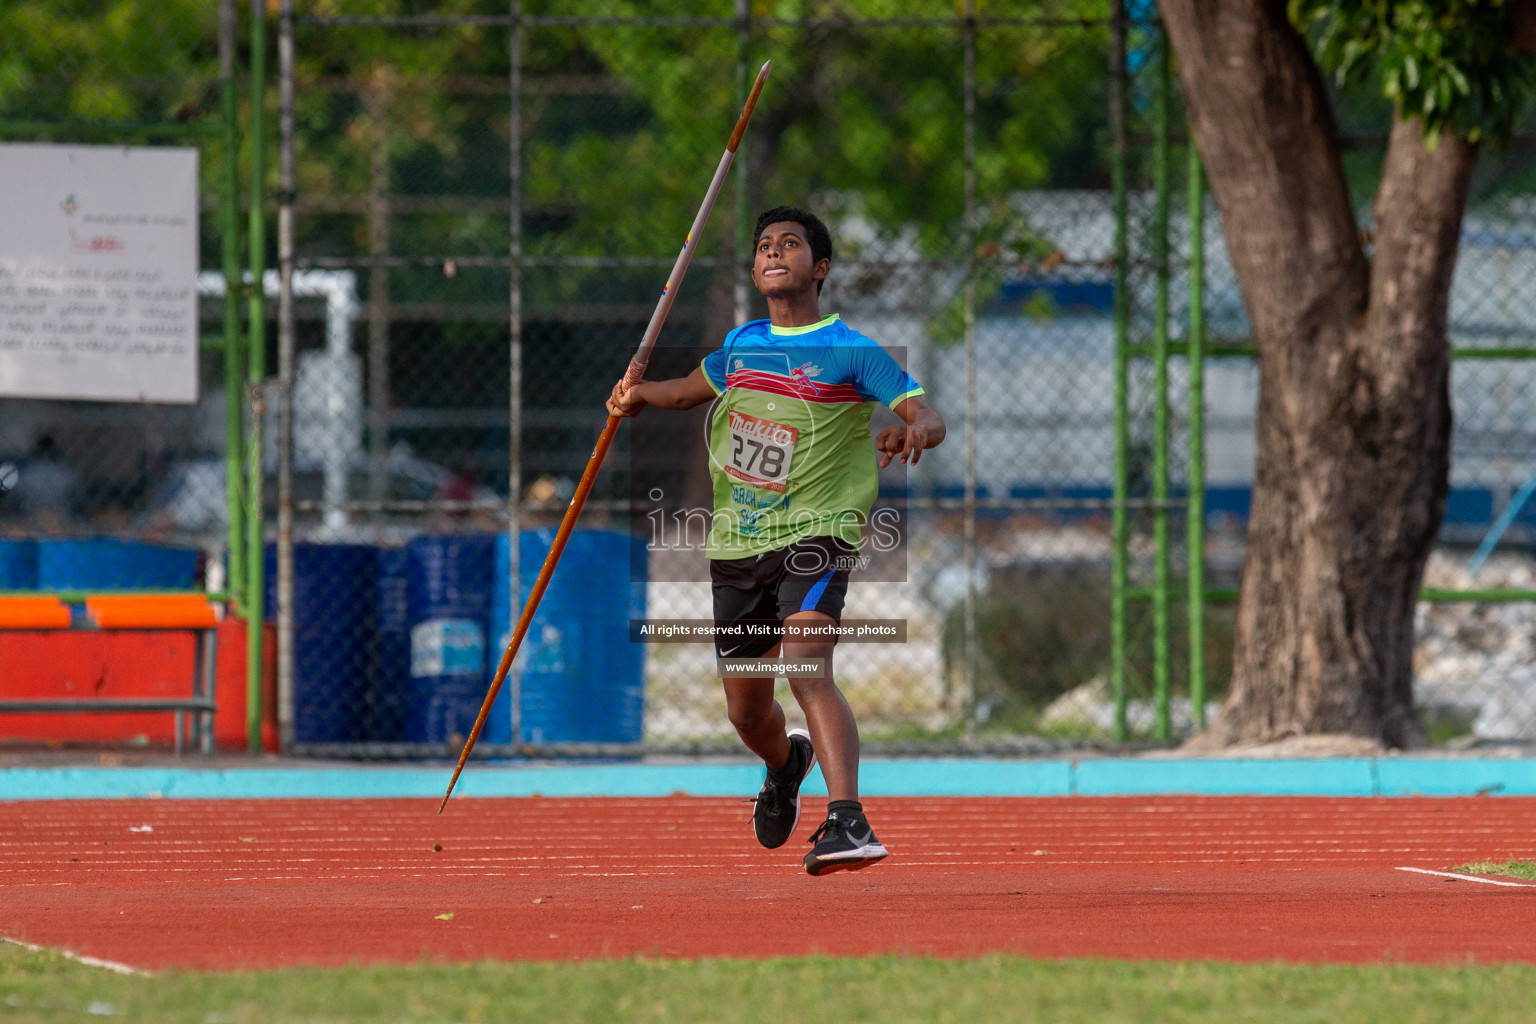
(927, 777)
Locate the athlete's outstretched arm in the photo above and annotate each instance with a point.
(924, 429)
(678, 393)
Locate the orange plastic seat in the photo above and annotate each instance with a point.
(33, 613)
(180, 611)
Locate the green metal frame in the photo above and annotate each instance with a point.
(1194, 515)
(234, 423)
(256, 375)
(1119, 82)
(1162, 173)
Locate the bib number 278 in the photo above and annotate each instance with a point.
(761, 451)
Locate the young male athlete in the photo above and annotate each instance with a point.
(794, 478)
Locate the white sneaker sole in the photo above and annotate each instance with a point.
(848, 860)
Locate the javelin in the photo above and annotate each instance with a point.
(631, 377)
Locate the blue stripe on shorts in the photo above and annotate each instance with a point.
(814, 594)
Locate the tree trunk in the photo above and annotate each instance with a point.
(1354, 411)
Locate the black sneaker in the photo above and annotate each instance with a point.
(778, 802)
(843, 844)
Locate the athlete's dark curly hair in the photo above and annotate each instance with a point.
(815, 231)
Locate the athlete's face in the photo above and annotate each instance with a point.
(783, 266)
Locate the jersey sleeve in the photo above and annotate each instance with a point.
(714, 369)
(880, 378)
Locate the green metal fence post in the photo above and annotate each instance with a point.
(229, 228)
(256, 378)
(1119, 558)
(968, 88)
(1161, 175)
(1195, 513)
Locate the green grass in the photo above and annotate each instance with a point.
(1512, 868)
(891, 990)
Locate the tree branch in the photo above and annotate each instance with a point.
(1260, 116)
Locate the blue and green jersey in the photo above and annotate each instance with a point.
(789, 444)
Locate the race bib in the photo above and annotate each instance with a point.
(761, 451)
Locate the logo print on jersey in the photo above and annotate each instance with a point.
(802, 375)
(794, 383)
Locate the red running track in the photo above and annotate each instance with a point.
(242, 884)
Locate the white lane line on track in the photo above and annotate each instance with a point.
(89, 961)
(1469, 878)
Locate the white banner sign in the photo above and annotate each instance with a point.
(98, 273)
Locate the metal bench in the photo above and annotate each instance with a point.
(190, 612)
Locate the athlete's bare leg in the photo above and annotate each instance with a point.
(758, 718)
(834, 733)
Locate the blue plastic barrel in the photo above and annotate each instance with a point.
(448, 604)
(392, 660)
(335, 616)
(18, 565)
(582, 679)
(102, 563)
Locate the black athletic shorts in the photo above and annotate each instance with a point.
(808, 575)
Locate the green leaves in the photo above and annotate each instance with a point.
(1448, 62)
(866, 122)
(106, 60)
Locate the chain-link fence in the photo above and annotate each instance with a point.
(478, 166)
(484, 199)
(124, 426)
(137, 471)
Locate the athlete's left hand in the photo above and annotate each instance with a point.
(907, 442)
